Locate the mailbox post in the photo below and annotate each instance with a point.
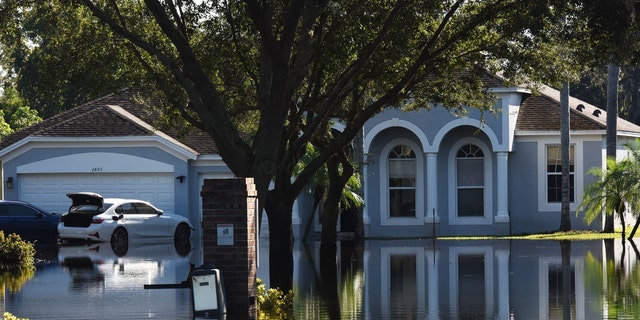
(207, 294)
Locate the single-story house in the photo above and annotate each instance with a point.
(427, 172)
(430, 172)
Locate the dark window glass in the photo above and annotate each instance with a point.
(554, 174)
(402, 182)
(17, 210)
(470, 181)
(145, 209)
(128, 208)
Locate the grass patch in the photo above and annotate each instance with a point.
(568, 235)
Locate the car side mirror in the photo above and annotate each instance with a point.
(159, 212)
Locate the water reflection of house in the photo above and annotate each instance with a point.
(472, 280)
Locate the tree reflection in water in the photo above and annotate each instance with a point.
(617, 279)
(14, 278)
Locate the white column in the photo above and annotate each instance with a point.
(503, 187)
(432, 188)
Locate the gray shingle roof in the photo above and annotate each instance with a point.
(542, 113)
(100, 118)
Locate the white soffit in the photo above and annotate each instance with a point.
(95, 162)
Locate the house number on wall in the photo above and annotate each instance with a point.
(96, 169)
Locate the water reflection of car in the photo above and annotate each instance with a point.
(94, 218)
(28, 221)
(98, 266)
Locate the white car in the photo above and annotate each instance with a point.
(92, 218)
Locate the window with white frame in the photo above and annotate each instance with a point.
(402, 181)
(554, 173)
(470, 181)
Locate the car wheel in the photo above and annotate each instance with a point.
(120, 241)
(182, 234)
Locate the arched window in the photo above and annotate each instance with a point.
(402, 181)
(470, 181)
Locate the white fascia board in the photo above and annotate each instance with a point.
(509, 90)
(543, 137)
(628, 134)
(521, 133)
(208, 161)
(32, 142)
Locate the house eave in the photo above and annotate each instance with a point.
(208, 160)
(509, 90)
(178, 150)
(537, 133)
(557, 133)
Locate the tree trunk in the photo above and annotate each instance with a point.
(565, 215)
(337, 182)
(635, 228)
(620, 209)
(318, 196)
(280, 241)
(612, 118)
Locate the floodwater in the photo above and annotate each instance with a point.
(382, 279)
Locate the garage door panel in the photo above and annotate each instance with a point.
(48, 191)
(148, 181)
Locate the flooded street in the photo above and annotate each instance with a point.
(384, 279)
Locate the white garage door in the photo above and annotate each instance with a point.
(48, 191)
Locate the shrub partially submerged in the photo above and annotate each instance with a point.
(16, 261)
(273, 303)
(15, 252)
(9, 316)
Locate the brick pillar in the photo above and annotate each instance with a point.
(229, 240)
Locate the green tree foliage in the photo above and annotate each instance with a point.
(592, 89)
(14, 114)
(56, 56)
(5, 128)
(616, 190)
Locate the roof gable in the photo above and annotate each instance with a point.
(114, 115)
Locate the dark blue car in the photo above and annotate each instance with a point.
(28, 221)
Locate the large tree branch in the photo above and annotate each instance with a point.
(203, 96)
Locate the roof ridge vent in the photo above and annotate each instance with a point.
(580, 107)
(597, 112)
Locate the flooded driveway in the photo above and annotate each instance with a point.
(382, 279)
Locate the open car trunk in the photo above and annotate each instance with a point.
(84, 205)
